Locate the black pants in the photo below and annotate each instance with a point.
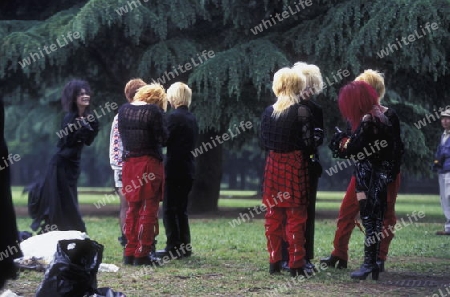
(311, 211)
(175, 216)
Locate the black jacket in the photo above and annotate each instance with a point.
(183, 133)
(8, 227)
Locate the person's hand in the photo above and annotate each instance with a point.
(335, 144)
(436, 165)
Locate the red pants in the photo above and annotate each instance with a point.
(295, 218)
(348, 212)
(143, 179)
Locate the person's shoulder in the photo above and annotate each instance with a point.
(124, 106)
(69, 116)
(391, 113)
(268, 109)
(314, 105)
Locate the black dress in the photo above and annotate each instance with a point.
(9, 249)
(53, 201)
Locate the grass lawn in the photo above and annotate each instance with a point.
(233, 261)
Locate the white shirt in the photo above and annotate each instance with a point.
(445, 136)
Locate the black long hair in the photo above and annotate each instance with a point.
(70, 92)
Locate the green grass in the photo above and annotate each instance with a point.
(233, 261)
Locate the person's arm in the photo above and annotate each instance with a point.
(90, 130)
(399, 149)
(171, 127)
(2, 119)
(359, 139)
(115, 146)
(318, 125)
(307, 129)
(158, 125)
(73, 131)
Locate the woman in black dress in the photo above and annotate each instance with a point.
(9, 247)
(53, 201)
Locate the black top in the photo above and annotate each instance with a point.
(317, 117)
(363, 141)
(398, 146)
(143, 130)
(74, 134)
(292, 130)
(8, 227)
(183, 132)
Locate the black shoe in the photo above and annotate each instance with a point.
(310, 265)
(332, 260)
(364, 271)
(380, 264)
(275, 268)
(305, 271)
(285, 266)
(122, 240)
(149, 260)
(172, 254)
(128, 260)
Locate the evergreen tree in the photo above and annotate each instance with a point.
(107, 42)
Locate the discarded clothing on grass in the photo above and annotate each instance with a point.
(73, 271)
(38, 250)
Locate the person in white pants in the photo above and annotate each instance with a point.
(442, 166)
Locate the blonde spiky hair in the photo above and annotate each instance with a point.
(314, 81)
(287, 84)
(153, 93)
(375, 79)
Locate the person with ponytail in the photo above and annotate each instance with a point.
(287, 135)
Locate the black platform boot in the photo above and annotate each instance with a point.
(371, 246)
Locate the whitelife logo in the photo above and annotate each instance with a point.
(61, 43)
(221, 138)
(74, 127)
(281, 16)
(411, 38)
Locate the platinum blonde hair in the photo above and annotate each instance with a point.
(179, 94)
(375, 79)
(314, 80)
(287, 84)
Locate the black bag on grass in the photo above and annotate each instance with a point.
(73, 271)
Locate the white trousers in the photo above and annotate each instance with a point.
(444, 189)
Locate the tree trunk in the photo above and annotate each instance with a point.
(232, 176)
(242, 172)
(208, 175)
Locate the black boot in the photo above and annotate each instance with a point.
(332, 260)
(371, 245)
(275, 268)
